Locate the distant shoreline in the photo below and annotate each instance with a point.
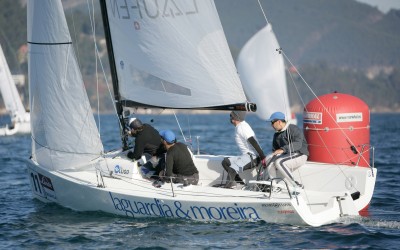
(380, 110)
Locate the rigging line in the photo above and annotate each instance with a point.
(265, 16)
(70, 50)
(103, 70)
(290, 62)
(279, 50)
(302, 101)
(319, 100)
(190, 131)
(93, 26)
(295, 86)
(173, 111)
(304, 105)
(329, 129)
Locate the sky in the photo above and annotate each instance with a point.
(383, 5)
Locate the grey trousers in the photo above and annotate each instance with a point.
(285, 164)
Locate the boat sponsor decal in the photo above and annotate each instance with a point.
(42, 185)
(349, 117)
(281, 205)
(312, 117)
(120, 170)
(46, 182)
(155, 9)
(177, 210)
(277, 205)
(285, 211)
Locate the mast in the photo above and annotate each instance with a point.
(114, 77)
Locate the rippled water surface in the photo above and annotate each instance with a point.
(28, 223)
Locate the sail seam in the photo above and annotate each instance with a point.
(50, 43)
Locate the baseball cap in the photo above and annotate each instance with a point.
(276, 116)
(168, 136)
(135, 123)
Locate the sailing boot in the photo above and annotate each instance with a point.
(238, 179)
(230, 180)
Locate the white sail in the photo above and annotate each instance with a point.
(262, 72)
(172, 54)
(9, 92)
(64, 133)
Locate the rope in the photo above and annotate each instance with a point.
(279, 50)
(98, 59)
(328, 129)
(265, 16)
(176, 118)
(324, 107)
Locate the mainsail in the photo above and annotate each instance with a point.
(64, 133)
(171, 54)
(262, 72)
(9, 92)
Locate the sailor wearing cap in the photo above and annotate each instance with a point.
(147, 142)
(252, 154)
(290, 147)
(179, 165)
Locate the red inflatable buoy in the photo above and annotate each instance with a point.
(337, 129)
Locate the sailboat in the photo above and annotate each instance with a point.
(172, 54)
(262, 72)
(20, 118)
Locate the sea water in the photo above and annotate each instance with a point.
(26, 223)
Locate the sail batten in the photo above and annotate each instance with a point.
(172, 54)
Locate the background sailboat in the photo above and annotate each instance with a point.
(20, 119)
(262, 72)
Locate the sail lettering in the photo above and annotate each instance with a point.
(134, 9)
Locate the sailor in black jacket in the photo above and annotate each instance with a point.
(290, 147)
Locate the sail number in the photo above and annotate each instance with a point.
(41, 185)
(35, 184)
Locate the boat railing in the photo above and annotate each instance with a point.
(268, 186)
(360, 155)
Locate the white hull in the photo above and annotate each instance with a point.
(19, 128)
(129, 194)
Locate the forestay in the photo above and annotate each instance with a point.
(64, 133)
(172, 54)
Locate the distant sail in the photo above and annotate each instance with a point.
(262, 72)
(9, 92)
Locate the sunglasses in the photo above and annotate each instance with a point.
(272, 122)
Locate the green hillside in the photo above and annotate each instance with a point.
(341, 32)
(339, 45)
